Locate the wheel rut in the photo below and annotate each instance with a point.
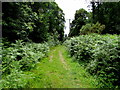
(63, 61)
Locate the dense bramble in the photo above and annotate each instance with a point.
(100, 53)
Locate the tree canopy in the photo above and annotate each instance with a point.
(107, 13)
(35, 21)
(80, 19)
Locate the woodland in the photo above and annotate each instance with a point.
(36, 53)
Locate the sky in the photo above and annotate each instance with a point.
(69, 8)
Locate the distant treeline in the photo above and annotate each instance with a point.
(105, 13)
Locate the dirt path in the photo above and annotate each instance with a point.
(63, 61)
(51, 57)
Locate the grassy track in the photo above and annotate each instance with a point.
(59, 71)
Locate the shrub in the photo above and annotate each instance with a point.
(18, 58)
(100, 54)
(92, 28)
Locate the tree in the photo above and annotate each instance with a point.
(35, 21)
(56, 20)
(17, 20)
(78, 22)
(107, 13)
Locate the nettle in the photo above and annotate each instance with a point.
(100, 53)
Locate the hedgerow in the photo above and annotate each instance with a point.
(20, 57)
(100, 54)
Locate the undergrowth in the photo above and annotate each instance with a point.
(100, 56)
(17, 58)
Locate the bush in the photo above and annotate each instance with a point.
(100, 54)
(20, 57)
(92, 28)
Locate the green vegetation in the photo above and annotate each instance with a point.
(34, 56)
(92, 28)
(78, 22)
(107, 13)
(59, 71)
(18, 58)
(100, 56)
(36, 21)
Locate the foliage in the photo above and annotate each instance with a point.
(22, 22)
(51, 72)
(80, 19)
(92, 28)
(17, 22)
(34, 21)
(53, 40)
(20, 57)
(100, 53)
(107, 13)
(14, 80)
